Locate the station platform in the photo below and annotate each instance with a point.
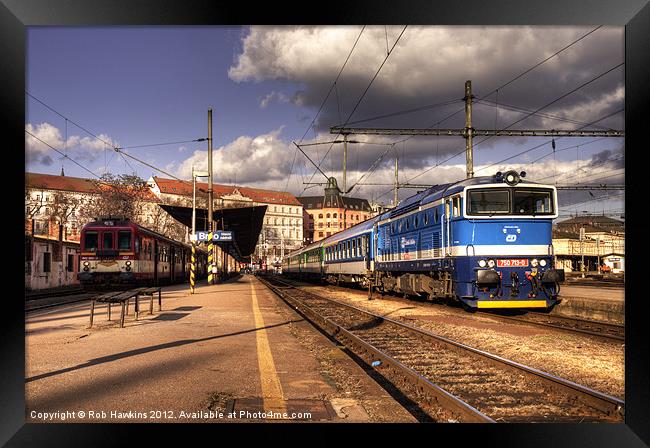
(231, 352)
(604, 303)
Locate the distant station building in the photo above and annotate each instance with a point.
(603, 242)
(331, 213)
(282, 230)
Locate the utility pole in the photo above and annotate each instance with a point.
(395, 193)
(345, 162)
(469, 155)
(210, 199)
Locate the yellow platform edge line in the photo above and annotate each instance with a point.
(272, 394)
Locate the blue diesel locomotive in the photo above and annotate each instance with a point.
(483, 241)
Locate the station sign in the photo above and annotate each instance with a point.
(219, 235)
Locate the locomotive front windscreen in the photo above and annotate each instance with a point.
(510, 201)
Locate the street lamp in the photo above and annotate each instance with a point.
(196, 174)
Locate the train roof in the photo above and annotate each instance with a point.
(353, 231)
(437, 192)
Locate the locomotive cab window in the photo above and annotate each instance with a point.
(91, 240)
(532, 202)
(488, 202)
(124, 240)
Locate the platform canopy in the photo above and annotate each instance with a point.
(244, 222)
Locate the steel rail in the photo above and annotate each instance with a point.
(607, 404)
(459, 409)
(617, 332)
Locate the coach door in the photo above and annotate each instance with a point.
(446, 223)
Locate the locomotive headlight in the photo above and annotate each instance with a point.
(86, 264)
(128, 268)
(86, 268)
(534, 262)
(490, 263)
(542, 262)
(510, 178)
(482, 263)
(128, 263)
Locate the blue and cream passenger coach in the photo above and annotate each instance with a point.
(485, 241)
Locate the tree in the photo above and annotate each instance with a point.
(118, 196)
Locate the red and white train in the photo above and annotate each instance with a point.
(118, 251)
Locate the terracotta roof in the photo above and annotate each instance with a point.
(172, 186)
(56, 182)
(73, 184)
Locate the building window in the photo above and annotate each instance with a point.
(320, 215)
(334, 215)
(70, 265)
(327, 216)
(47, 262)
(320, 234)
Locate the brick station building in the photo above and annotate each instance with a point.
(332, 213)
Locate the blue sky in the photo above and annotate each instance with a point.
(144, 85)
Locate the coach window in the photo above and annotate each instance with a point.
(107, 242)
(124, 240)
(90, 241)
(354, 248)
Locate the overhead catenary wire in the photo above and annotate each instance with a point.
(528, 115)
(362, 96)
(111, 145)
(546, 142)
(566, 47)
(295, 154)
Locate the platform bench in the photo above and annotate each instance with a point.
(121, 297)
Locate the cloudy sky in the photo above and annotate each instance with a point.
(135, 86)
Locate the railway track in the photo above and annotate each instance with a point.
(601, 330)
(448, 380)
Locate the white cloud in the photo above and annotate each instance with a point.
(273, 96)
(431, 63)
(77, 147)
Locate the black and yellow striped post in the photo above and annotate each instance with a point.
(210, 254)
(192, 267)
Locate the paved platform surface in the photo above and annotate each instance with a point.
(605, 303)
(229, 348)
(593, 292)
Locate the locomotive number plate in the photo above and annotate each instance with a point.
(513, 263)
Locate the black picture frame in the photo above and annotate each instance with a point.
(15, 15)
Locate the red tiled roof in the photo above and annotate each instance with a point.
(172, 186)
(63, 183)
(73, 184)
